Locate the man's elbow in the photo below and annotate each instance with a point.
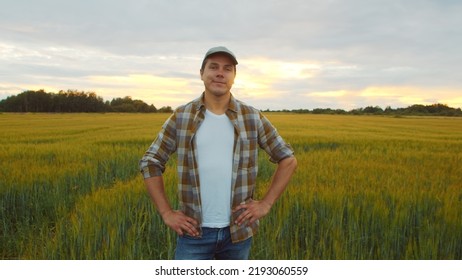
(290, 163)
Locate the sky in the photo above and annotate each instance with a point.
(339, 54)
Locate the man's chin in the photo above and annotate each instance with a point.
(219, 93)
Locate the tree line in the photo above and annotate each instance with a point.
(74, 101)
(414, 110)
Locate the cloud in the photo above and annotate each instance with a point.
(386, 96)
(337, 93)
(156, 90)
(292, 54)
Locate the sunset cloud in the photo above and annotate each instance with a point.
(292, 54)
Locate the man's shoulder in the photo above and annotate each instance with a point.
(190, 107)
(245, 108)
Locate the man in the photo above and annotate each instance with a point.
(216, 138)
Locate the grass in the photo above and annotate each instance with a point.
(367, 187)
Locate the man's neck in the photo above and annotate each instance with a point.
(217, 104)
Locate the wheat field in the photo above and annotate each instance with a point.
(366, 187)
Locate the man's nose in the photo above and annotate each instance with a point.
(220, 73)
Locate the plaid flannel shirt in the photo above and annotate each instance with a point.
(251, 130)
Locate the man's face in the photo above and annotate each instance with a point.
(218, 74)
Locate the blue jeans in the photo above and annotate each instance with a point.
(214, 244)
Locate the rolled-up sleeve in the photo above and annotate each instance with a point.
(270, 140)
(154, 160)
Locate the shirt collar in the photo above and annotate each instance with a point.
(232, 106)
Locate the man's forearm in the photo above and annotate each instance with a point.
(281, 178)
(176, 220)
(155, 187)
(257, 209)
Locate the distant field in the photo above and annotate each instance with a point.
(366, 188)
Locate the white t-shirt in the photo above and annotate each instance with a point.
(215, 143)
